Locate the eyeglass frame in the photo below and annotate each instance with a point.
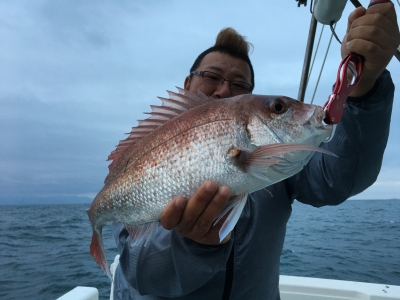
(201, 73)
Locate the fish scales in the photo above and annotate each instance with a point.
(195, 117)
(174, 168)
(240, 142)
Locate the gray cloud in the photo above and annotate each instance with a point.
(76, 75)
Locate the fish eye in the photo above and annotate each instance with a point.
(276, 106)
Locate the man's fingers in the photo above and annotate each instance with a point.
(212, 236)
(373, 34)
(211, 212)
(373, 22)
(172, 214)
(385, 9)
(358, 12)
(378, 17)
(369, 40)
(194, 219)
(196, 205)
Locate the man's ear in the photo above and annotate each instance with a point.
(186, 85)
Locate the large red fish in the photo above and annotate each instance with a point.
(246, 142)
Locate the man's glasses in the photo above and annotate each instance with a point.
(236, 87)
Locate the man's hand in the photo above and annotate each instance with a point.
(374, 34)
(194, 218)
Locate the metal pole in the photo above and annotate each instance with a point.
(307, 59)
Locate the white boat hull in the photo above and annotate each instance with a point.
(291, 288)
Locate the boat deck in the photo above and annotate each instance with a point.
(296, 288)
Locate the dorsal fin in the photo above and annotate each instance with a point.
(176, 104)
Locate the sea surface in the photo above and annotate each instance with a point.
(44, 249)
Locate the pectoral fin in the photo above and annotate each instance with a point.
(234, 207)
(256, 161)
(267, 155)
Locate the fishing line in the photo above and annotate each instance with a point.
(315, 54)
(333, 31)
(322, 67)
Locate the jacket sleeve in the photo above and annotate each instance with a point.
(359, 142)
(169, 265)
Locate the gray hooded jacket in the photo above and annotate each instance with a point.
(247, 267)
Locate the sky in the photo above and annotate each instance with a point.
(76, 75)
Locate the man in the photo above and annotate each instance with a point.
(185, 259)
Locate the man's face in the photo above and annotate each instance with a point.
(228, 67)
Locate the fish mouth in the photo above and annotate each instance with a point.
(317, 120)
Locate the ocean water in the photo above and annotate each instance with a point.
(44, 249)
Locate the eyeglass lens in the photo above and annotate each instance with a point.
(237, 87)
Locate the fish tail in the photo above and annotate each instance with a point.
(98, 253)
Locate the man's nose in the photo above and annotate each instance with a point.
(222, 91)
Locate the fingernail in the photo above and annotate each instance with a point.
(348, 45)
(225, 191)
(210, 186)
(180, 202)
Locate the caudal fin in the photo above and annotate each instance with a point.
(98, 253)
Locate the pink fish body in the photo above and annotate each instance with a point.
(246, 142)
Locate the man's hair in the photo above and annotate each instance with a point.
(230, 42)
